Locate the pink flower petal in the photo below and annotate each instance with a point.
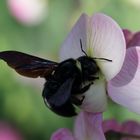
(132, 39)
(135, 41)
(111, 125)
(131, 127)
(106, 40)
(125, 87)
(62, 134)
(71, 46)
(88, 126)
(9, 133)
(128, 36)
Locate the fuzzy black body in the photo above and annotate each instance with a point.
(71, 78)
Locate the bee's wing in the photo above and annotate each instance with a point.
(28, 65)
(60, 102)
(63, 94)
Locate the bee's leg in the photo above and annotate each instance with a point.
(84, 88)
(77, 101)
(93, 78)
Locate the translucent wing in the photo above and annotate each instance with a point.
(28, 65)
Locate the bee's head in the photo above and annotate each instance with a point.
(89, 68)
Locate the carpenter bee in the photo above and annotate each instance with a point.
(65, 81)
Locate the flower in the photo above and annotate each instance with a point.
(130, 74)
(28, 12)
(103, 38)
(132, 39)
(129, 130)
(88, 126)
(7, 132)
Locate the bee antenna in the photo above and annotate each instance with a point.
(103, 59)
(82, 47)
(93, 57)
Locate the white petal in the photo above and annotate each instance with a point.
(95, 98)
(102, 38)
(125, 87)
(71, 46)
(106, 40)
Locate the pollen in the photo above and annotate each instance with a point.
(53, 72)
(78, 64)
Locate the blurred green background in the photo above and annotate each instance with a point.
(21, 103)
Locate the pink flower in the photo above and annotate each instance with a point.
(28, 12)
(88, 126)
(128, 130)
(132, 39)
(8, 133)
(103, 38)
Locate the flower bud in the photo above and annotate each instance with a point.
(28, 12)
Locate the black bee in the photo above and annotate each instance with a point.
(65, 81)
